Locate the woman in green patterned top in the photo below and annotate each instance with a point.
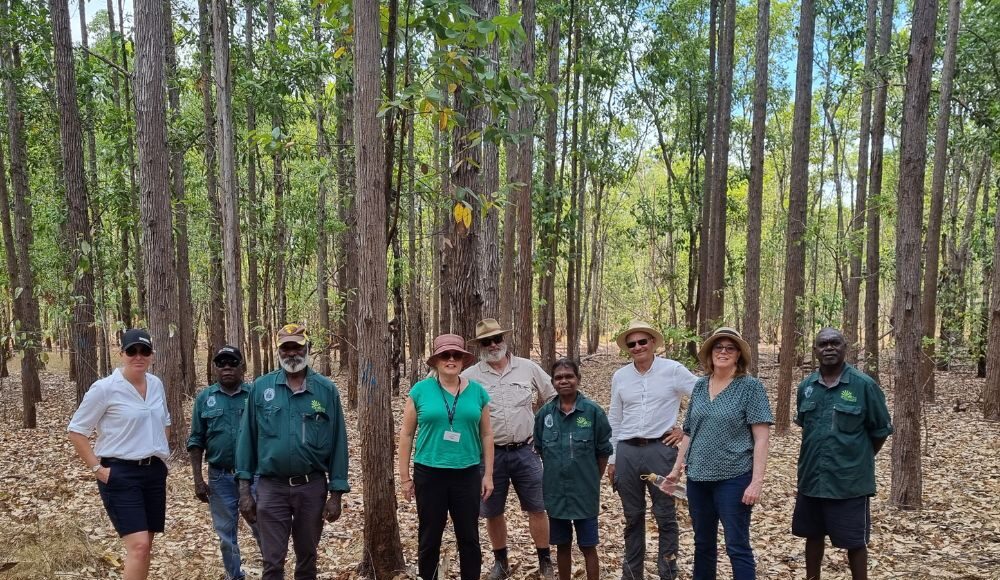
(450, 416)
(724, 453)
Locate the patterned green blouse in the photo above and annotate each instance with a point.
(721, 441)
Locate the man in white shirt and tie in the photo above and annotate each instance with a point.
(645, 402)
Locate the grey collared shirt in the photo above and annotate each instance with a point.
(512, 396)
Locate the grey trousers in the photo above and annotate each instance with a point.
(632, 461)
(296, 511)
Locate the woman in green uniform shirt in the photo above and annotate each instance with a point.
(450, 416)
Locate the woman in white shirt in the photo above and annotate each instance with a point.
(128, 411)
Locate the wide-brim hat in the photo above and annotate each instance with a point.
(450, 342)
(705, 352)
(640, 326)
(486, 328)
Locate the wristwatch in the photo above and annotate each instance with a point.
(95, 468)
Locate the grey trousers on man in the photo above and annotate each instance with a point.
(632, 461)
(285, 510)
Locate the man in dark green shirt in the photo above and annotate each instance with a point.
(215, 423)
(845, 422)
(293, 435)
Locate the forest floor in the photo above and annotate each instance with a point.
(52, 524)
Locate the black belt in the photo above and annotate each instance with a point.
(511, 446)
(226, 470)
(296, 480)
(144, 461)
(642, 441)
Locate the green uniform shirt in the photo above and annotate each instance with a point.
(215, 423)
(837, 459)
(570, 445)
(285, 434)
(432, 403)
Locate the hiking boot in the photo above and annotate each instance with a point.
(500, 571)
(545, 571)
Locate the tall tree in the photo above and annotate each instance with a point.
(795, 240)
(489, 241)
(524, 166)
(227, 170)
(928, 314)
(709, 143)
(278, 166)
(549, 237)
(755, 193)
(82, 331)
(906, 468)
(322, 237)
(383, 553)
(991, 389)
(253, 278)
(154, 206)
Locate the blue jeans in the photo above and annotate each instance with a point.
(224, 502)
(712, 501)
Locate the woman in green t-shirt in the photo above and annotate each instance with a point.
(450, 416)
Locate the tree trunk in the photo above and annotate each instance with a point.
(154, 206)
(874, 208)
(253, 307)
(795, 246)
(349, 243)
(139, 268)
(575, 214)
(906, 468)
(230, 193)
(707, 198)
(755, 193)
(416, 328)
(82, 334)
(991, 389)
(383, 553)
(185, 322)
(278, 164)
(489, 239)
(321, 336)
(855, 230)
(715, 293)
(549, 236)
(933, 243)
(523, 339)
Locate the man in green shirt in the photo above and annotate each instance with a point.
(845, 422)
(573, 436)
(293, 435)
(215, 423)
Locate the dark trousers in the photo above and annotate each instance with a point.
(440, 492)
(709, 503)
(632, 461)
(297, 511)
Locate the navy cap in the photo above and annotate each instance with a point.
(228, 351)
(135, 336)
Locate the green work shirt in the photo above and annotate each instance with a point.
(432, 402)
(721, 445)
(839, 423)
(215, 423)
(570, 445)
(285, 434)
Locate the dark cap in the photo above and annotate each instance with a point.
(228, 351)
(136, 336)
(292, 333)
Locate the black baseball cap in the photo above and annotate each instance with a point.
(135, 336)
(228, 351)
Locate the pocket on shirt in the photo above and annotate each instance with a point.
(316, 431)
(213, 420)
(583, 442)
(848, 418)
(269, 421)
(806, 412)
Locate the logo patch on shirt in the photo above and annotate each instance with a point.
(269, 394)
(548, 421)
(848, 396)
(317, 407)
(210, 402)
(583, 422)
(809, 391)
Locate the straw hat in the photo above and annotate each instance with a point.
(486, 328)
(450, 342)
(705, 352)
(640, 326)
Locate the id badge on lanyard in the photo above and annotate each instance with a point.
(451, 435)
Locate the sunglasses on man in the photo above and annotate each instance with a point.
(138, 349)
(489, 340)
(635, 343)
(227, 363)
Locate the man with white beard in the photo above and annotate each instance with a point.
(293, 435)
(512, 383)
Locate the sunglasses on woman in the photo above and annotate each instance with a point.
(138, 349)
(635, 343)
(451, 355)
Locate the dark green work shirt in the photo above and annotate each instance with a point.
(570, 445)
(839, 423)
(285, 434)
(215, 423)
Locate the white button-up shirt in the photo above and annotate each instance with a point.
(646, 404)
(128, 426)
(512, 391)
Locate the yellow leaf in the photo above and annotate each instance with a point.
(428, 107)
(340, 52)
(459, 212)
(443, 120)
(467, 218)
(452, 87)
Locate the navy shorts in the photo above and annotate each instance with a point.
(848, 522)
(521, 467)
(135, 496)
(561, 532)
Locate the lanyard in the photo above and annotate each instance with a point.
(450, 409)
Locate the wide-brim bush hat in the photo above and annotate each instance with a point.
(705, 352)
(486, 328)
(450, 342)
(640, 326)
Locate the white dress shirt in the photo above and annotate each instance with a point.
(128, 426)
(646, 404)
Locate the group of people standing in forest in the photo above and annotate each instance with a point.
(276, 450)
